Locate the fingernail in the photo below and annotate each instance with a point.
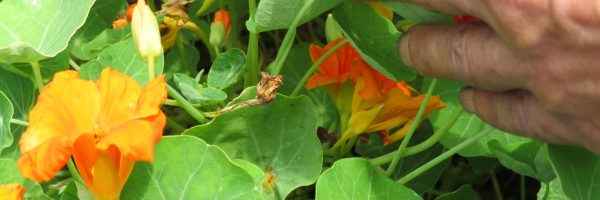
(403, 48)
(466, 99)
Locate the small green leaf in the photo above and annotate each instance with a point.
(70, 192)
(356, 178)
(122, 57)
(374, 37)
(227, 69)
(186, 167)
(577, 170)
(90, 49)
(279, 137)
(465, 192)
(279, 14)
(9, 174)
(6, 107)
(90, 70)
(555, 191)
(417, 14)
(196, 93)
(35, 30)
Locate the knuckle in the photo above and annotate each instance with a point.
(458, 52)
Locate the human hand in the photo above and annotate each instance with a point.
(534, 66)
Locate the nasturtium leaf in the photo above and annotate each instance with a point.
(227, 69)
(279, 14)
(123, 57)
(87, 50)
(356, 178)
(577, 170)
(467, 125)
(552, 190)
(6, 113)
(181, 58)
(70, 192)
(97, 32)
(374, 37)
(417, 14)
(9, 174)
(185, 167)
(21, 93)
(90, 70)
(196, 93)
(296, 66)
(280, 137)
(35, 30)
(465, 192)
(48, 67)
(529, 159)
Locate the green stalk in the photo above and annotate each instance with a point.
(74, 64)
(455, 114)
(74, 172)
(547, 192)
(496, 186)
(522, 187)
(439, 159)
(35, 65)
(313, 68)
(252, 75)
(151, 72)
(288, 40)
(19, 122)
(411, 129)
(187, 106)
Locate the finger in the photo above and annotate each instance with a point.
(516, 112)
(470, 53)
(476, 8)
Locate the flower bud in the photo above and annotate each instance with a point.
(145, 32)
(332, 30)
(219, 29)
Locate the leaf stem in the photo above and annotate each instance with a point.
(454, 115)
(35, 65)
(187, 106)
(522, 187)
(74, 172)
(411, 129)
(202, 35)
(313, 68)
(19, 122)
(74, 65)
(288, 40)
(547, 192)
(496, 186)
(252, 75)
(437, 160)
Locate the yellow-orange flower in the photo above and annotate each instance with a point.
(11, 192)
(367, 100)
(105, 125)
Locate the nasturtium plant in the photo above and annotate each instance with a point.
(256, 99)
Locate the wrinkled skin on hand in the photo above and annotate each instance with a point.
(534, 65)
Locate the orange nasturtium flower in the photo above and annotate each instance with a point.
(11, 191)
(367, 100)
(105, 125)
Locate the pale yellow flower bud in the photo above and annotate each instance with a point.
(145, 32)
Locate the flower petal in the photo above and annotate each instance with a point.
(154, 94)
(119, 98)
(134, 139)
(66, 108)
(12, 191)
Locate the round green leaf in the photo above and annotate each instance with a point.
(34, 30)
(280, 137)
(196, 93)
(374, 37)
(227, 69)
(9, 174)
(529, 159)
(356, 178)
(467, 125)
(6, 114)
(122, 57)
(577, 170)
(186, 167)
(21, 93)
(279, 14)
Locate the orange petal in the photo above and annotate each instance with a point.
(85, 155)
(11, 191)
(134, 139)
(119, 98)
(66, 108)
(152, 96)
(107, 181)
